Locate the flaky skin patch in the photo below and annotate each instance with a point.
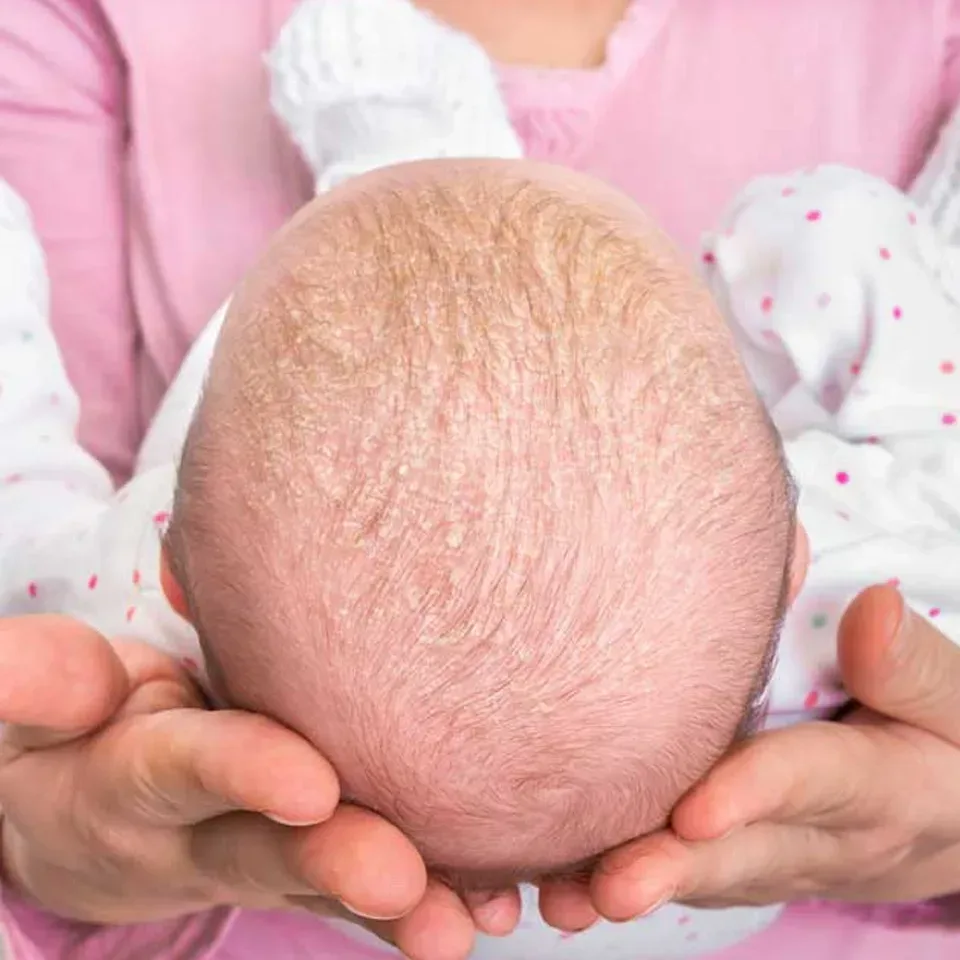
(480, 500)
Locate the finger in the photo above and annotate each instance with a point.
(438, 928)
(438, 932)
(356, 858)
(495, 913)
(324, 907)
(565, 905)
(154, 683)
(59, 679)
(180, 767)
(157, 682)
(809, 773)
(763, 863)
(899, 664)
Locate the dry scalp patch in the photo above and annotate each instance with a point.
(480, 500)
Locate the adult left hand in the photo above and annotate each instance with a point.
(124, 800)
(867, 809)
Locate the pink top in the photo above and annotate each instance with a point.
(144, 144)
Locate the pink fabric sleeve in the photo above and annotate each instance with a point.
(951, 73)
(30, 934)
(62, 145)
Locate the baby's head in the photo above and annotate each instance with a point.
(480, 501)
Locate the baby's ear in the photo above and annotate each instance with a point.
(799, 564)
(171, 588)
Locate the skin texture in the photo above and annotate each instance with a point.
(497, 453)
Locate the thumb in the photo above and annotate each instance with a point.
(899, 665)
(59, 679)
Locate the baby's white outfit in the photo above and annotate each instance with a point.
(845, 300)
(842, 295)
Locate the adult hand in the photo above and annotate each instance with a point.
(124, 800)
(867, 809)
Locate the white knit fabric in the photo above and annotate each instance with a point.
(365, 84)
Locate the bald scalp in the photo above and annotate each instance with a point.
(479, 500)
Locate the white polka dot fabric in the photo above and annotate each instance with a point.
(845, 302)
(68, 542)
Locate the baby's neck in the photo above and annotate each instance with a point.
(570, 34)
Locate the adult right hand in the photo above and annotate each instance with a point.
(123, 799)
(861, 810)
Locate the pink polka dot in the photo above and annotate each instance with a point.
(709, 257)
(912, 219)
(131, 613)
(14, 478)
(771, 336)
(947, 367)
(884, 253)
(948, 419)
(843, 478)
(787, 192)
(136, 578)
(893, 582)
(683, 919)
(855, 369)
(161, 518)
(766, 304)
(92, 582)
(897, 313)
(934, 612)
(32, 590)
(811, 700)
(873, 440)
(813, 215)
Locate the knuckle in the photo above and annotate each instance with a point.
(111, 842)
(108, 841)
(888, 845)
(865, 856)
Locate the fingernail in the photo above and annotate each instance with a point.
(292, 823)
(657, 904)
(379, 918)
(487, 912)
